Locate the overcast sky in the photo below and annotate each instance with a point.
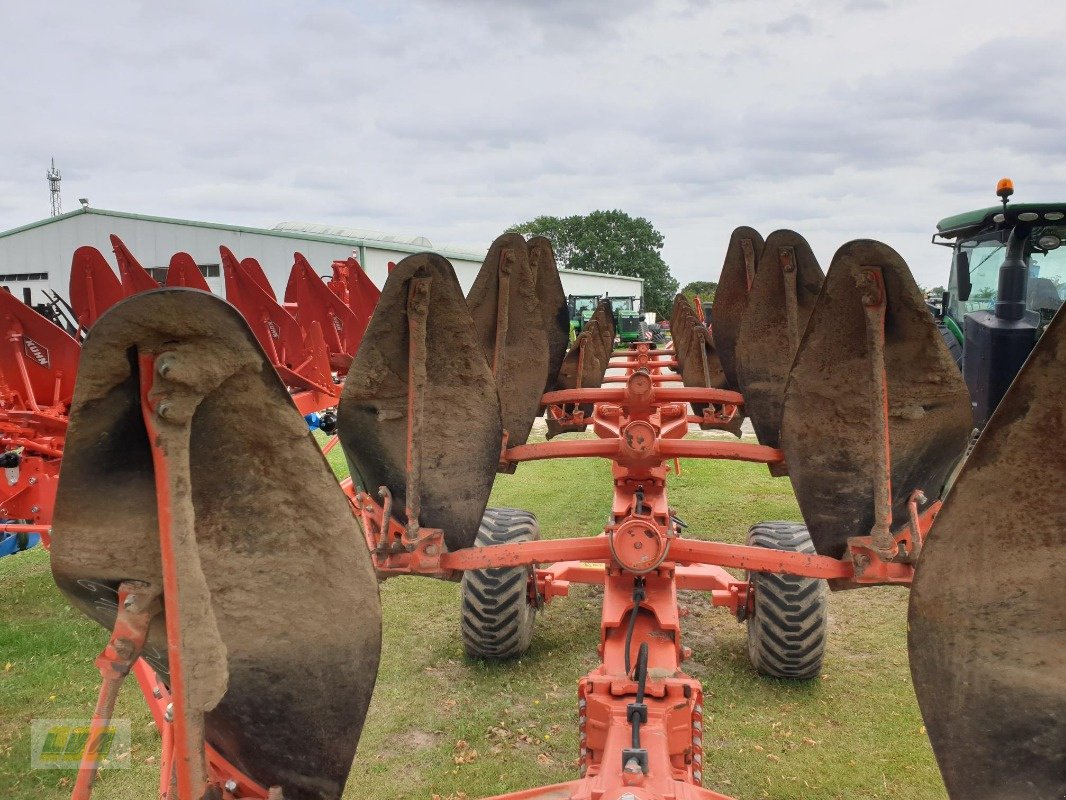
(453, 119)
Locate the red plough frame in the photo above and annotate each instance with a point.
(640, 715)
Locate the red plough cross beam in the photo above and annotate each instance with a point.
(640, 715)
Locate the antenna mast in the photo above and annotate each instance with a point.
(54, 177)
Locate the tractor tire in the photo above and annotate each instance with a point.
(788, 628)
(497, 616)
(953, 344)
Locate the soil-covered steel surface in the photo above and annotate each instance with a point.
(782, 297)
(552, 303)
(831, 403)
(731, 296)
(279, 616)
(515, 345)
(458, 446)
(987, 607)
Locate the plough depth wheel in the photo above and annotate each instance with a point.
(497, 616)
(788, 626)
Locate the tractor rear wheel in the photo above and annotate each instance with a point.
(952, 342)
(788, 628)
(497, 615)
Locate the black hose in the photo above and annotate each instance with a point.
(638, 596)
(642, 679)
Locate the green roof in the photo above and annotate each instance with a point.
(973, 221)
(310, 237)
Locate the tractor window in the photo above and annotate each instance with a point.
(621, 304)
(583, 304)
(985, 257)
(1047, 272)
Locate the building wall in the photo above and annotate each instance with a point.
(48, 248)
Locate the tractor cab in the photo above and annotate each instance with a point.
(1008, 278)
(628, 317)
(581, 308)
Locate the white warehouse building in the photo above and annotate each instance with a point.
(37, 257)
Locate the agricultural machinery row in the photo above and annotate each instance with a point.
(310, 338)
(172, 526)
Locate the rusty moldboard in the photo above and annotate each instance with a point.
(553, 305)
(731, 296)
(507, 317)
(696, 355)
(827, 432)
(462, 430)
(988, 604)
(782, 297)
(252, 502)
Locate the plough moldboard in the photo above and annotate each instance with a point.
(857, 402)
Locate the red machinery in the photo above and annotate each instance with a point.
(39, 361)
(429, 353)
(640, 715)
(38, 365)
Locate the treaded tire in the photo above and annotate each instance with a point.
(788, 628)
(496, 616)
(952, 344)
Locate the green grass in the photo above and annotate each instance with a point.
(856, 733)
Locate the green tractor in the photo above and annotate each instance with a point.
(628, 318)
(581, 307)
(1008, 278)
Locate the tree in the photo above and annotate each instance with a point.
(704, 290)
(611, 242)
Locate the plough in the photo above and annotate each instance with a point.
(173, 525)
(311, 339)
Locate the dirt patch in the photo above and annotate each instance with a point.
(418, 740)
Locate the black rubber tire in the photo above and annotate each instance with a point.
(497, 617)
(788, 629)
(953, 345)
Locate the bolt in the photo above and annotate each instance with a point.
(698, 709)
(163, 409)
(34, 509)
(168, 715)
(629, 795)
(230, 785)
(164, 363)
(697, 776)
(129, 603)
(697, 725)
(157, 693)
(33, 481)
(632, 767)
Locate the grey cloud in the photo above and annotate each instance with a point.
(793, 23)
(455, 119)
(866, 5)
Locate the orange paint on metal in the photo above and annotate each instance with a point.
(189, 778)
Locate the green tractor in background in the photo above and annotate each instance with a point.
(581, 307)
(628, 318)
(1008, 278)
